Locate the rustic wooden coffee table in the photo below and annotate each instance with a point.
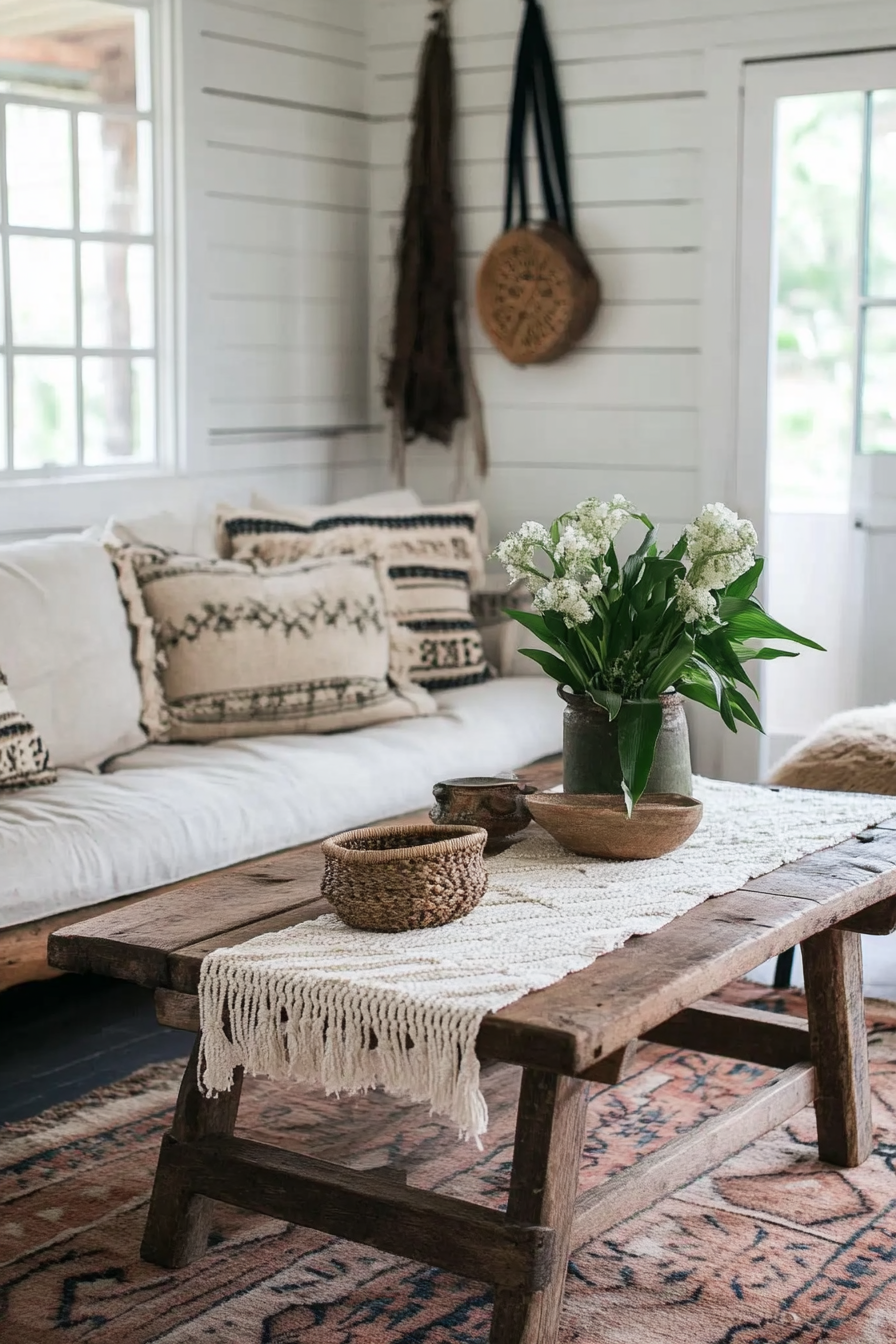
(583, 1028)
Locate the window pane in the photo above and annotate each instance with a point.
(43, 290)
(119, 410)
(115, 159)
(817, 185)
(81, 50)
(44, 412)
(879, 385)
(117, 294)
(882, 221)
(39, 166)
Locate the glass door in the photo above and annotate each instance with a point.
(816, 453)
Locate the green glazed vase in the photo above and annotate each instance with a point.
(591, 751)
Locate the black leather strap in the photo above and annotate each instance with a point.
(536, 95)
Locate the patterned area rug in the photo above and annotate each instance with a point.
(771, 1247)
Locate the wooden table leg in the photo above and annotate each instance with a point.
(550, 1135)
(832, 965)
(178, 1222)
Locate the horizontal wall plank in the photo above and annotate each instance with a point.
(400, 23)
(599, 228)
(284, 325)
(274, 73)
(287, 275)
(309, 28)
(338, 15)
(237, 377)
(672, 32)
(489, 90)
(261, 223)
(238, 121)
(511, 495)
(591, 436)
(621, 127)
(247, 419)
(285, 178)
(592, 378)
(675, 175)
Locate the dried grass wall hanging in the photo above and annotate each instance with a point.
(536, 291)
(430, 387)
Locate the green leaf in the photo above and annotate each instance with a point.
(716, 649)
(767, 655)
(555, 667)
(701, 691)
(713, 680)
(678, 550)
(743, 710)
(611, 701)
(666, 672)
(640, 722)
(747, 584)
(726, 711)
(747, 620)
(631, 570)
(535, 624)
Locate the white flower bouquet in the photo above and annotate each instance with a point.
(685, 621)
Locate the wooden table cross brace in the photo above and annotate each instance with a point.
(581, 1030)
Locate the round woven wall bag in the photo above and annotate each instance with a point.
(536, 291)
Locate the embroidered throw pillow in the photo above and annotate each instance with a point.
(24, 759)
(228, 649)
(433, 557)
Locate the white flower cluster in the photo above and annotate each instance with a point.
(568, 597)
(516, 552)
(601, 521)
(695, 604)
(720, 547)
(578, 557)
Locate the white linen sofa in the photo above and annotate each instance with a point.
(156, 815)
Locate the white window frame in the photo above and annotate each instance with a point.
(161, 238)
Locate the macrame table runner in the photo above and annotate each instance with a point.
(324, 1004)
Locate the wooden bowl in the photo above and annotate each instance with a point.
(596, 823)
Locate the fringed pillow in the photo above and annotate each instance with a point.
(24, 760)
(228, 649)
(434, 558)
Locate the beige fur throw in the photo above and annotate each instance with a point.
(854, 752)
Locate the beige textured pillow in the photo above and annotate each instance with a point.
(433, 558)
(237, 650)
(24, 760)
(854, 752)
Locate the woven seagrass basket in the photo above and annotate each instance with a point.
(394, 878)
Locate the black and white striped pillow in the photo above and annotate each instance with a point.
(24, 759)
(433, 557)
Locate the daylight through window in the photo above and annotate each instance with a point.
(77, 226)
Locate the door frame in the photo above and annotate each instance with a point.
(725, 473)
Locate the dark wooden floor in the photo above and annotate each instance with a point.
(62, 1038)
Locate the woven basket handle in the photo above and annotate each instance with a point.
(536, 94)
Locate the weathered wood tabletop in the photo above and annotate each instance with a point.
(582, 1029)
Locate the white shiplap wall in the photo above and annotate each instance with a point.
(277, 223)
(622, 413)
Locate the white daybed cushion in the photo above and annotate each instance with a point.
(170, 812)
(65, 647)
